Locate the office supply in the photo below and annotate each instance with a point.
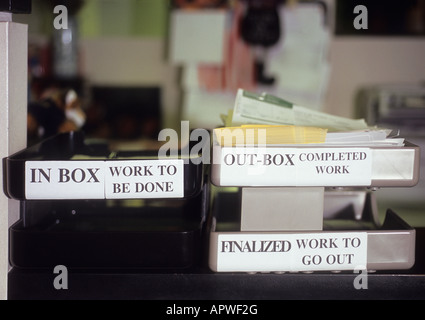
(305, 205)
(149, 235)
(316, 166)
(54, 169)
(281, 135)
(267, 135)
(255, 108)
(399, 106)
(98, 208)
(345, 243)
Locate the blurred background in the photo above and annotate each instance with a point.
(138, 66)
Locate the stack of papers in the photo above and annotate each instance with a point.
(272, 114)
(268, 135)
(365, 138)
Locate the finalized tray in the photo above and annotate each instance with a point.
(66, 167)
(126, 234)
(351, 239)
(313, 165)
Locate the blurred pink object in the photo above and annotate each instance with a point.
(237, 70)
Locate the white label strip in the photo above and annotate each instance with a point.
(291, 252)
(64, 179)
(104, 179)
(259, 166)
(144, 179)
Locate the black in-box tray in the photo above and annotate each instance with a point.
(67, 166)
(152, 235)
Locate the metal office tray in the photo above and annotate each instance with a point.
(385, 166)
(390, 245)
(66, 166)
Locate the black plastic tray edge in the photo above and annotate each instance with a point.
(69, 144)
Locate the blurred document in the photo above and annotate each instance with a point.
(197, 36)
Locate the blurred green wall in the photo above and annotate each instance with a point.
(142, 18)
(105, 18)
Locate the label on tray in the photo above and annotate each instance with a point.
(123, 179)
(274, 252)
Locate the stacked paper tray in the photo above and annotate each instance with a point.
(64, 167)
(84, 206)
(349, 240)
(313, 165)
(155, 235)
